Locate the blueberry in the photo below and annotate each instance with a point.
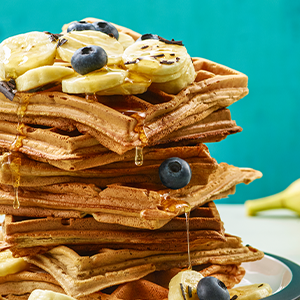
(175, 173)
(211, 288)
(107, 28)
(88, 59)
(148, 36)
(79, 26)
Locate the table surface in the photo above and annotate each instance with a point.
(275, 231)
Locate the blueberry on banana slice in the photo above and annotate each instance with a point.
(148, 36)
(175, 173)
(80, 26)
(211, 288)
(88, 59)
(79, 39)
(107, 28)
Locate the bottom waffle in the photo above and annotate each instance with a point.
(83, 275)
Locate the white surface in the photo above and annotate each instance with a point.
(275, 231)
(269, 270)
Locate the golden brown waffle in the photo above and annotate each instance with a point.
(75, 151)
(83, 275)
(126, 205)
(214, 128)
(26, 281)
(153, 286)
(121, 123)
(34, 173)
(35, 235)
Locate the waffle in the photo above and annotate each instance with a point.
(26, 281)
(75, 151)
(121, 123)
(126, 205)
(153, 286)
(35, 235)
(138, 289)
(34, 173)
(83, 275)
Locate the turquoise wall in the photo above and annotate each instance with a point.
(259, 38)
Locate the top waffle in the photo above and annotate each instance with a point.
(123, 122)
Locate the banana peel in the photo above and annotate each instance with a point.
(287, 199)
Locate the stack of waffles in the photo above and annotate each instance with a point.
(80, 189)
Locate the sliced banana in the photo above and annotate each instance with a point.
(62, 64)
(79, 39)
(251, 292)
(48, 295)
(133, 84)
(169, 77)
(184, 285)
(23, 52)
(94, 82)
(10, 264)
(153, 57)
(42, 75)
(125, 40)
(176, 85)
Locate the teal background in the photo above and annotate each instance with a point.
(259, 38)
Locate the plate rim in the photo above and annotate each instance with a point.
(292, 290)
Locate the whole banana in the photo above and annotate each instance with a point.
(288, 199)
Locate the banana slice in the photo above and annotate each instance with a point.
(176, 85)
(23, 52)
(10, 264)
(154, 57)
(79, 39)
(62, 64)
(48, 295)
(133, 84)
(125, 40)
(170, 77)
(40, 76)
(94, 82)
(184, 285)
(251, 292)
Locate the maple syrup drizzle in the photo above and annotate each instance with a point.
(14, 165)
(14, 161)
(139, 156)
(187, 221)
(91, 98)
(173, 205)
(139, 160)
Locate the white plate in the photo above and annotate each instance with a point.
(281, 274)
